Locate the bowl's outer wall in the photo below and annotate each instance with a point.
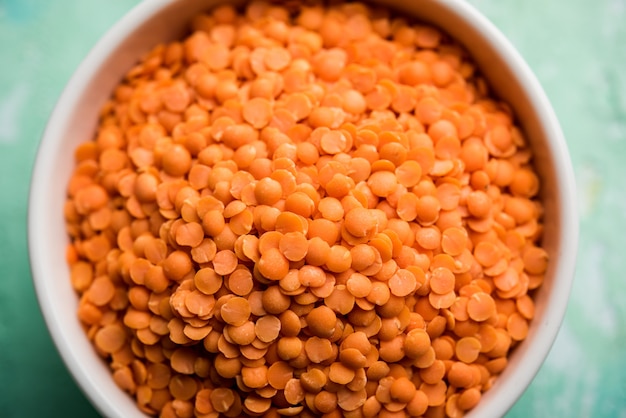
(75, 116)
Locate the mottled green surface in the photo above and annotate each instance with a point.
(577, 48)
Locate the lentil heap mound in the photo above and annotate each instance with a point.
(314, 211)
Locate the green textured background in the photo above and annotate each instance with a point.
(577, 49)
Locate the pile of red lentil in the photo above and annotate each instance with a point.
(305, 211)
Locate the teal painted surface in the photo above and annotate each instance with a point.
(577, 49)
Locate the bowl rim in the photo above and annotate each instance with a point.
(538, 348)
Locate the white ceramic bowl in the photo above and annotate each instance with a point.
(75, 116)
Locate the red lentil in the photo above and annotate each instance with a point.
(319, 214)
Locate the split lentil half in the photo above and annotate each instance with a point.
(305, 211)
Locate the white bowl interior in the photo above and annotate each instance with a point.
(75, 116)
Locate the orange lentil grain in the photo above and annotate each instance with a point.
(327, 199)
